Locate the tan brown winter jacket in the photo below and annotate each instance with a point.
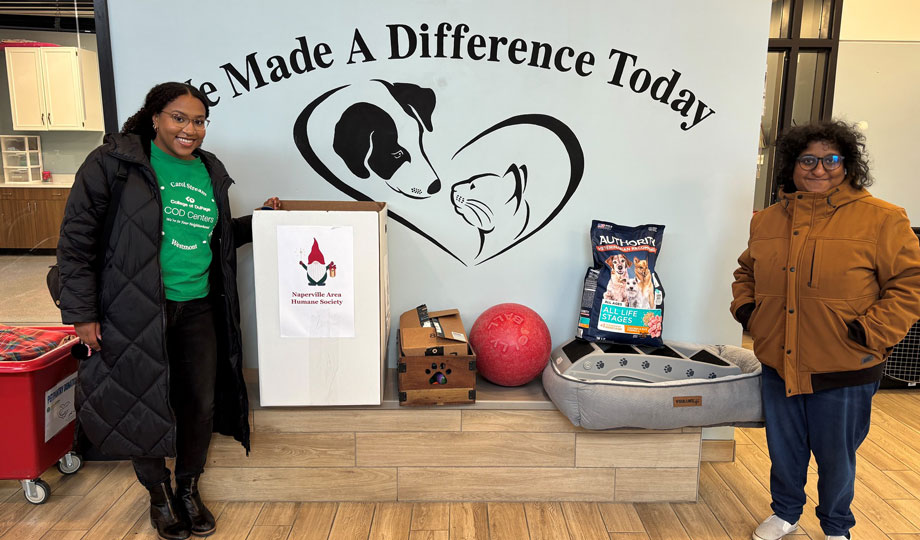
(816, 262)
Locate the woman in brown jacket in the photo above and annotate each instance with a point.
(829, 283)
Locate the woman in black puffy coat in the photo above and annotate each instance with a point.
(147, 256)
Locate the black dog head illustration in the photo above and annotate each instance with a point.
(489, 201)
(365, 137)
(367, 140)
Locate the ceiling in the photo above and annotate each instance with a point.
(48, 16)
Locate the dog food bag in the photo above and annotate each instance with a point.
(623, 300)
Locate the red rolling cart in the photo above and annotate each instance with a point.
(38, 413)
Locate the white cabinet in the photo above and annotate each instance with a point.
(54, 88)
(22, 159)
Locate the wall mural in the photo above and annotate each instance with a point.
(368, 138)
(374, 135)
(495, 131)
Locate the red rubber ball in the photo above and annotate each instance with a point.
(512, 344)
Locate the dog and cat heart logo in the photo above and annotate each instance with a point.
(474, 193)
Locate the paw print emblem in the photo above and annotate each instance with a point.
(645, 364)
(711, 376)
(440, 373)
(623, 362)
(689, 373)
(600, 364)
(668, 368)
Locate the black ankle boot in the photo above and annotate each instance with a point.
(169, 523)
(200, 519)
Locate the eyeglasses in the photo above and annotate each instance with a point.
(181, 120)
(830, 162)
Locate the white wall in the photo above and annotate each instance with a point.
(640, 166)
(878, 76)
(880, 20)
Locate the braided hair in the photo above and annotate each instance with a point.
(141, 123)
(848, 140)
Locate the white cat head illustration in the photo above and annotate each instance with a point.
(494, 203)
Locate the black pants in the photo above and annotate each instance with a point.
(191, 343)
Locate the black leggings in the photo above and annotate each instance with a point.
(191, 344)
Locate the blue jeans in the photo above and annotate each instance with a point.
(831, 424)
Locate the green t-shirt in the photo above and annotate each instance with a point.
(189, 216)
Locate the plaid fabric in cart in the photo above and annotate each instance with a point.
(20, 343)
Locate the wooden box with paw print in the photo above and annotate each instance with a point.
(436, 364)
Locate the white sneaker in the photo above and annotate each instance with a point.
(837, 538)
(774, 528)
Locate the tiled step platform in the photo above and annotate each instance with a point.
(511, 445)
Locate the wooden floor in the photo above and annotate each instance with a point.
(103, 501)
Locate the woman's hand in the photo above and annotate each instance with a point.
(89, 333)
(274, 203)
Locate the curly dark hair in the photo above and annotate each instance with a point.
(847, 138)
(141, 123)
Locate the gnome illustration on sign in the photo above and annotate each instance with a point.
(317, 270)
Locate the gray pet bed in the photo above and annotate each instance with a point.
(733, 400)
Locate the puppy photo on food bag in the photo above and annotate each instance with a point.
(619, 273)
(633, 295)
(644, 279)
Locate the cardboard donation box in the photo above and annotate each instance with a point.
(322, 302)
(436, 364)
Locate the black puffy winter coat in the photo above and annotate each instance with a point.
(125, 408)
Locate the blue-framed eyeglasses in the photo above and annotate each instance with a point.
(809, 162)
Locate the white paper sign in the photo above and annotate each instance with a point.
(59, 406)
(316, 289)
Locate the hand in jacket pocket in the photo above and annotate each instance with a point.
(857, 333)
